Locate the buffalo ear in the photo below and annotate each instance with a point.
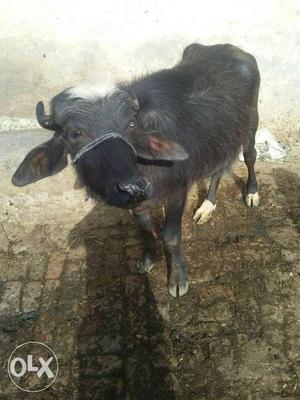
(153, 146)
(44, 160)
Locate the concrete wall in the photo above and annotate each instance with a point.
(47, 45)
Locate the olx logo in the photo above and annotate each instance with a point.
(33, 366)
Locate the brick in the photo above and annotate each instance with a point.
(11, 297)
(55, 265)
(217, 312)
(51, 294)
(210, 293)
(72, 272)
(12, 268)
(37, 265)
(31, 296)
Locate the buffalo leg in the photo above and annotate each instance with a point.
(252, 196)
(145, 223)
(204, 212)
(177, 270)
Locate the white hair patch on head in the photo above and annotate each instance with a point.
(90, 92)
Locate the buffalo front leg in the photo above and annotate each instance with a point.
(204, 212)
(145, 223)
(177, 270)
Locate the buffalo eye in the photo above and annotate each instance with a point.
(132, 124)
(74, 133)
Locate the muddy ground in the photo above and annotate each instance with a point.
(68, 279)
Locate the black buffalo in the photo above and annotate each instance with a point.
(145, 142)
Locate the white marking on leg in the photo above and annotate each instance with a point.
(173, 290)
(252, 199)
(182, 289)
(144, 269)
(204, 213)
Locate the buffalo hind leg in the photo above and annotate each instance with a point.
(252, 196)
(204, 212)
(145, 223)
(177, 270)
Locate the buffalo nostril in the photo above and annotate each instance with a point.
(130, 188)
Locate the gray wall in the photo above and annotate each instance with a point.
(48, 45)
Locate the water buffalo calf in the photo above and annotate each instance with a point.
(145, 142)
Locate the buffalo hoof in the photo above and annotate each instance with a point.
(252, 199)
(145, 265)
(204, 213)
(178, 282)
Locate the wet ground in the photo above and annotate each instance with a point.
(68, 279)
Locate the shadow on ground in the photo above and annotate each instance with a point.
(122, 348)
(288, 184)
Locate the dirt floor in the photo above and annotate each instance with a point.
(68, 279)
